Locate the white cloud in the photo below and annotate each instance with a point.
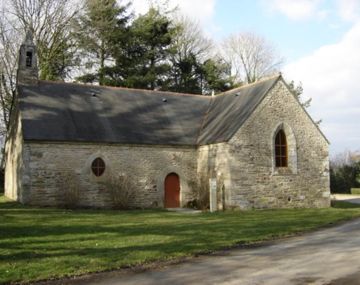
(330, 75)
(200, 10)
(296, 9)
(349, 10)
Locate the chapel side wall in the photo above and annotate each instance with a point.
(147, 166)
(14, 163)
(256, 182)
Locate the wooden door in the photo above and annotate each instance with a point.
(172, 191)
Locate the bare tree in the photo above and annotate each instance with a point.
(49, 21)
(9, 43)
(250, 56)
(189, 40)
(346, 157)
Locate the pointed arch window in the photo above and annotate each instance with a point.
(281, 149)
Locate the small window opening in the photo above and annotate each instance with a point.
(98, 166)
(28, 59)
(281, 156)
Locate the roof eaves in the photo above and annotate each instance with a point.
(41, 141)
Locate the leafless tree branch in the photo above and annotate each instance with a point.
(250, 56)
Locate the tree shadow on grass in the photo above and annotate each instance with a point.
(30, 234)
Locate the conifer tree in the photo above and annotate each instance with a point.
(95, 31)
(142, 60)
(195, 68)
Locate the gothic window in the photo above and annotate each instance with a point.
(98, 166)
(28, 59)
(281, 150)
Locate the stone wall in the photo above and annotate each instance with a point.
(51, 165)
(213, 162)
(255, 181)
(13, 159)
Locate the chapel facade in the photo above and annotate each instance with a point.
(257, 142)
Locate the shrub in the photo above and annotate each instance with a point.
(71, 190)
(344, 177)
(200, 189)
(121, 189)
(355, 191)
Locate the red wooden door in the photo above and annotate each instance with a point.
(172, 191)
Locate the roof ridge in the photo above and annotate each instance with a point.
(161, 91)
(126, 88)
(271, 77)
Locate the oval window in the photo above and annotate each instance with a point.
(98, 166)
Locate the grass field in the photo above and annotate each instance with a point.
(45, 243)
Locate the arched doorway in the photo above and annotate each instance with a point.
(172, 191)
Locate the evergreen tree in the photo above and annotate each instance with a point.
(154, 52)
(142, 60)
(216, 76)
(194, 68)
(185, 75)
(153, 33)
(104, 22)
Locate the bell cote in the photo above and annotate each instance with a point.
(27, 68)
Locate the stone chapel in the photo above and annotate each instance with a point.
(257, 141)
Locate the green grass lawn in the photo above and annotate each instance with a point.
(40, 243)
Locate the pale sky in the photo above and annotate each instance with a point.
(320, 41)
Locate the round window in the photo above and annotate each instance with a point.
(98, 166)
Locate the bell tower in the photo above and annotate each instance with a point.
(27, 68)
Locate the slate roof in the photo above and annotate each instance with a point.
(53, 111)
(228, 111)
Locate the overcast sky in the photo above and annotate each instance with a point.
(320, 40)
